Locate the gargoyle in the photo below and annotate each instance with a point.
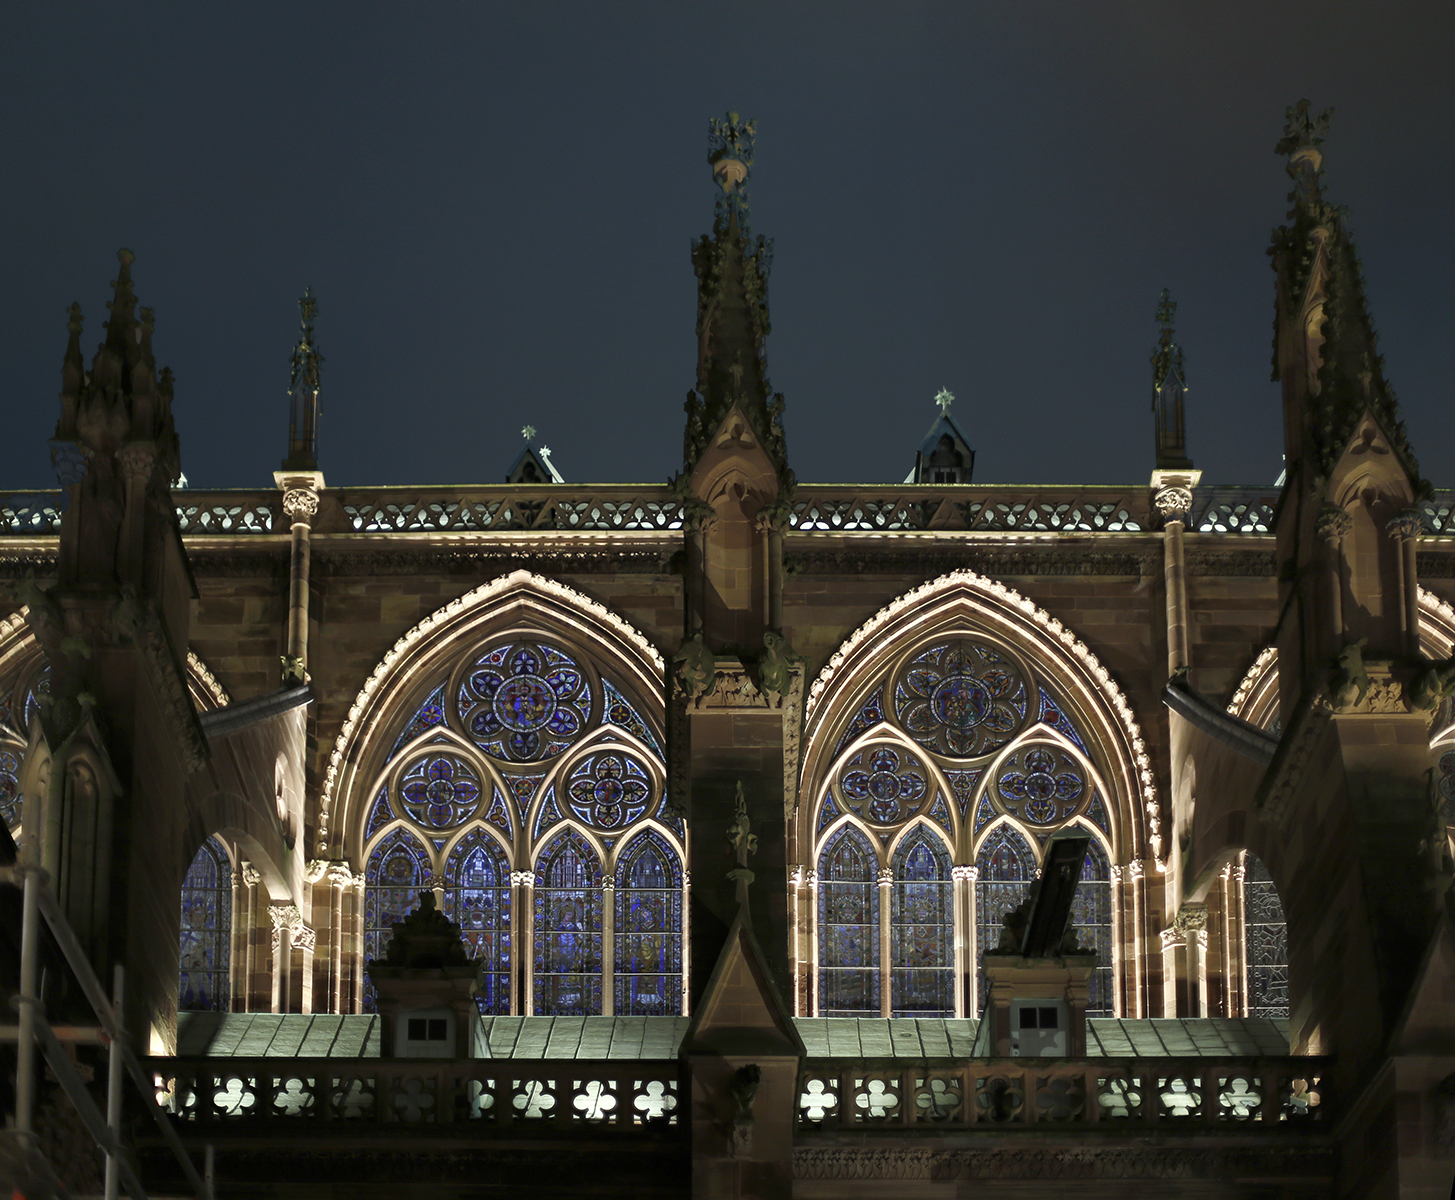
(696, 668)
(1349, 681)
(775, 666)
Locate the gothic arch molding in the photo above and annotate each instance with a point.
(519, 600)
(964, 600)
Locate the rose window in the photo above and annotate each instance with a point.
(525, 701)
(1041, 784)
(883, 785)
(961, 698)
(609, 790)
(440, 792)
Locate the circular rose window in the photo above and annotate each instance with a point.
(961, 698)
(525, 701)
(883, 784)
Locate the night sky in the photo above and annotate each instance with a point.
(495, 203)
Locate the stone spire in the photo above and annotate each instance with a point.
(1326, 349)
(1168, 388)
(303, 387)
(732, 308)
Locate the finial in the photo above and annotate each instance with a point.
(125, 257)
(1302, 144)
(744, 842)
(944, 398)
(527, 432)
(1168, 388)
(730, 151)
(303, 388)
(1166, 311)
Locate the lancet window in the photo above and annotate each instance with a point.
(1267, 942)
(19, 706)
(528, 787)
(206, 937)
(960, 753)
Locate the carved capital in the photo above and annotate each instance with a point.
(1174, 503)
(316, 869)
(1237, 873)
(284, 916)
(523, 879)
(1191, 916)
(698, 516)
(811, 878)
(300, 503)
(339, 874)
(1135, 870)
(886, 876)
(1407, 526)
(966, 871)
(250, 874)
(795, 877)
(1172, 938)
(1332, 523)
(608, 880)
(303, 937)
(137, 459)
(1116, 873)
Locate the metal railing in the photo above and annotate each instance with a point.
(488, 1094)
(815, 508)
(1112, 1093)
(35, 1031)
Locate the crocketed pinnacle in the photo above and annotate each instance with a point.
(732, 307)
(1316, 247)
(1169, 388)
(303, 390)
(123, 399)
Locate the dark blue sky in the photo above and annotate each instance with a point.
(494, 204)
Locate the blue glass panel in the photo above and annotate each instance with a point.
(1091, 918)
(525, 702)
(1446, 787)
(848, 927)
(440, 791)
(380, 815)
(499, 813)
(206, 940)
(922, 929)
(961, 698)
(883, 784)
(828, 812)
(1041, 784)
(549, 814)
(1006, 866)
(610, 790)
(1266, 949)
(619, 711)
(40, 686)
(1097, 812)
(1053, 715)
(940, 811)
(984, 814)
(397, 871)
(429, 715)
(962, 783)
(648, 951)
(568, 929)
(524, 788)
(477, 897)
(869, 715)
(11, 801)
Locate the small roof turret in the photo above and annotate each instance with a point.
(944, 456)
(532, 465)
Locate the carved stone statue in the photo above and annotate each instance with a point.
(696, 668)
(1350, 681)
(775, 667)
(740, 835)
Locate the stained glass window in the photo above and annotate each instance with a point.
(1041, 784)
(11, 801)
(477, 898)
(568, 929)
(429, 715)
(922, 929)
(610, 790)
(1446, 786)
(1267, 943)
(397, 872)
(525, 701)
(961, 698)
(206, 940)
(1091, 918)
(440, 791)
(1006, 868)
(883, 784)
(848, 927)
(648, 950)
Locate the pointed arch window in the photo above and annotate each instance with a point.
(922, 929)
(1266, 942)
(647, 958)
(398, 870)
(1005, 867)
(477, 898)
(1091, 918)
(205, 956)
(848, 927)
(568, 929)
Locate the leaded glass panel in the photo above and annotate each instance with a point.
(525, 701)
(440, 791)
(568, 929)
(922, 929)
(961, 698)
(1006, 867)
(397, 871)
(477, 898)
(1446, 786)
(1091, 918)
(883, 784)
(648, 949)
(1266, 950)
(11, 801)
(848, 927)
(206, 939)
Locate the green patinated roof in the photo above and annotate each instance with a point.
(296, 1035)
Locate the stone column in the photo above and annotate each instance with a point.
(237, 956)
(772, 521)
(304, 941)
(962, 881)
(1238, 935)
(797, 942)
(1406, 529)
(250, 934)
(886, 909)
(1192, 920)
(608, 945)
(284, 917)
(1173, 499)
(811, 991)
(1173, 941)
(1139, 998)
(356, 951)
(1331, 525)
(339, 878)
(300, 502)
(682, 1008)
(1118, 940)
(522, 923)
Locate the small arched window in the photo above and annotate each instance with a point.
(477, 898)
(1091, 918)
(1266, 944)
(568, 929)
(1005, 868)
(922, 929)
(206, 937)
(647, 958)
(398, 871)
(848, 927)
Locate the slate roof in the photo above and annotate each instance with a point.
(298, 1035)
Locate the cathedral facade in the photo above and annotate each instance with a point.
(735, 795)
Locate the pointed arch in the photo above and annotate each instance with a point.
(964, 602)
(205, 944)
(1091, 918)
(1004, 868)
(647, 930)
(921, 925)
(477, 898)
(398, 869)
(567, 943)
(413, 666)
(848, 926)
